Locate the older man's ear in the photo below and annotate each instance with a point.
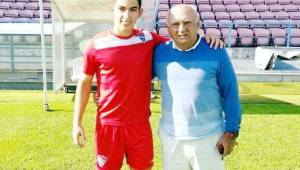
(214, 41)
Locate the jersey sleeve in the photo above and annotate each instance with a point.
(89, 64)
(228, 85)
(158, 38)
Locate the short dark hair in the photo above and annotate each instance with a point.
(140, 3)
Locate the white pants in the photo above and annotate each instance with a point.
(199, 154)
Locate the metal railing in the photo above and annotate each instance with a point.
(16, 53)
(22, 52)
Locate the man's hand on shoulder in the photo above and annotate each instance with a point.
(214, 41)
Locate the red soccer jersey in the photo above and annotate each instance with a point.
(123, 69)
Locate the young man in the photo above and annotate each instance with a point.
(198, 85)
(121, 59)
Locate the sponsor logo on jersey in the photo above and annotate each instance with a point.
(142, 36)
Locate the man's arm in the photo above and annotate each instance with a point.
(228, 85)
(81, 99)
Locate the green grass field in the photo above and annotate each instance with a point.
(33, 139)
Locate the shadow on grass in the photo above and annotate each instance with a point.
(269, 88)
(255, 104)
(258, 99)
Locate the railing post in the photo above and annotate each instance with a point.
(288, 35)
(11, 53)
(229, 34)
(43, 54)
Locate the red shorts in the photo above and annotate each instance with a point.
(113, 142)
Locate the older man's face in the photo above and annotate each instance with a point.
(183, 26)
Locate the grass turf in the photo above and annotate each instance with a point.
(33, 139)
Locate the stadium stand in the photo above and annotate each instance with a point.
(257, 33)
(20, 61)
(256, 22)
(244, 25)
(23, 11)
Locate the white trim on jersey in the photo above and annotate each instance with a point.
(113, 41)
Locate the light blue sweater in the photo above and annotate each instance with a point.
(199, 91)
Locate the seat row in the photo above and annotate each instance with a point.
(23, 14)
(226, 2)
(23, 5)
(241, 15)
(23, 1)
(252, 37)
(237, 8)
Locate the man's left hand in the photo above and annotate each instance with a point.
(214, 41)
(226, 144)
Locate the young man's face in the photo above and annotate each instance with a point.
(126, 13)
(183, 26)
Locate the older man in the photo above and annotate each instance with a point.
(201, 111)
